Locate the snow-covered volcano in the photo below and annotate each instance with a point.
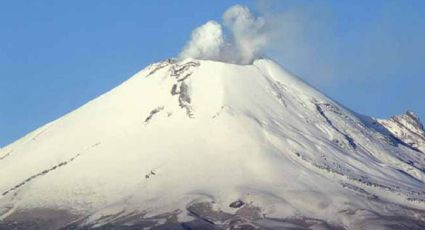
(209, 145)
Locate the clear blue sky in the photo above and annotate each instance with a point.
(57, 55)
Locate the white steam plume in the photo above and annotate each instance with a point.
(206, 43)
(249, 36)
(246, 38)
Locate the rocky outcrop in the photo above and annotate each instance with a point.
(408, 129)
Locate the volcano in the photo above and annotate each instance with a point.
(199, 144)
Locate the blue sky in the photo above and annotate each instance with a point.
(57, 55)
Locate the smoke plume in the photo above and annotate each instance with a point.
(240, 38)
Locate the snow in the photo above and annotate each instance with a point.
(408, 129)
(189, 131)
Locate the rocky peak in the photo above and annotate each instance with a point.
(408, 129)
(413, 119)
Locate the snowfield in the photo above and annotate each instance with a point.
(194, 144)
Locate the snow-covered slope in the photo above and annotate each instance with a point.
(186, 144)
(408, 129)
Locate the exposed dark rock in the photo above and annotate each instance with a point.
(237, 204)
(160, 65)
(181, 72)
(61, 164)
(349, 139)
(39, 174)
(153, 112)
(204, 218)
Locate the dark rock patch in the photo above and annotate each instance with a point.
(237, 204)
